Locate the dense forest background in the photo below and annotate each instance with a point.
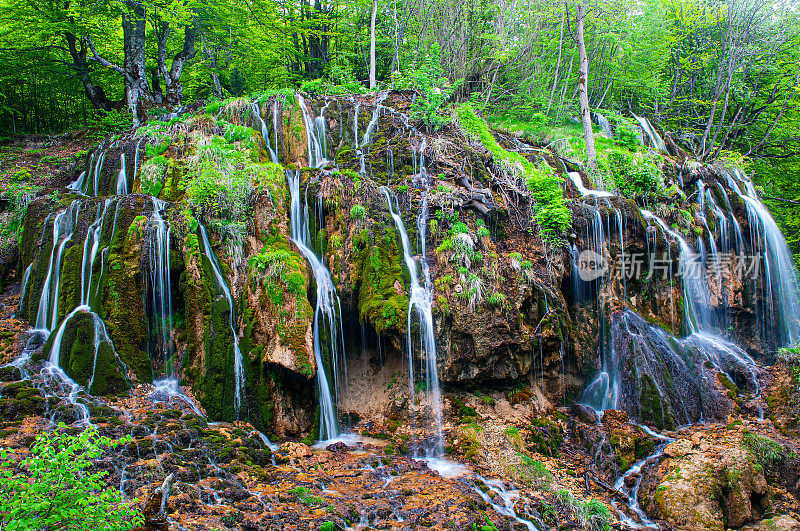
(721, 75)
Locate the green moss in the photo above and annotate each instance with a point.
(77, 357)
(652, 409)
(377, 268)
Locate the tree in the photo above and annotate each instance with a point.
(583, 80)
(372, 44)
(54, 487)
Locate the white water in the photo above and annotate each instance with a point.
(273, 151)
(238, 367)
(633, 492)
(160, 288)
(327, 312)
(576, 179)
(63, 229)
(122, 177)
(603, 392)
(420, 306)
(508, 497)
(655, 139)
(168, 389)
(782, 290)
(316, 139)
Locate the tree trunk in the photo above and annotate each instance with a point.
(583, 77)
(372, 44)
(137, 89)
(94, 93)
(172, 75)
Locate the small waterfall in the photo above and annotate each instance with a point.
(576, 179)
(603, 392)
(419, 305)
(90, 252)
(64, 226)
(238, 367)
(633, 492)
(780, 285)
(603, 123)
(316, 139)
(160, 288)
(122, 177)
(327, 312)
(655, 139)
(508, 497)
(273, 151)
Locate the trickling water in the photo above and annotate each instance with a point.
(122, 177)
(63, 229)
(273, 152)
(238, 363)
(327, 312)
(603, 124)
(419, 305)
(603, 392)
(160, 289)
(507, 496)
(780, 283)
(575, 177)
(633, 492)
(316, 139)
(655, 139)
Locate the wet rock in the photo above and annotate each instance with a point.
(778, 523)
(679, 448)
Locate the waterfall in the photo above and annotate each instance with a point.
(603, 392)
(655, 139)
(327, 312)
(603, 124)
(316, 139)
(779, 279)
(419, 304)
(122, 177)
(63, 229)
(90, 253)
(238, 367)
(160, 299)
(273, 152)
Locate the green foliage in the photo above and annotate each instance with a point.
(220, 186)
(358, 212)
(433, 89)
(635, 175)
(545, 185)
(19, 194)
(764, 450)
(107, 122)
(54, 488)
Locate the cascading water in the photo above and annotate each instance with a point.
(420, 306)
(327, 312)
(779, 280)
(238, 362)
(603, 392)
(160, 289)
(64, 226)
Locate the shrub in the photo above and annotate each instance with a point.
(54, 487)
(635, 174)
(19, 194)
(358, 212)
(433, 89)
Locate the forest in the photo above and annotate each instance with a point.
(486, 265)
